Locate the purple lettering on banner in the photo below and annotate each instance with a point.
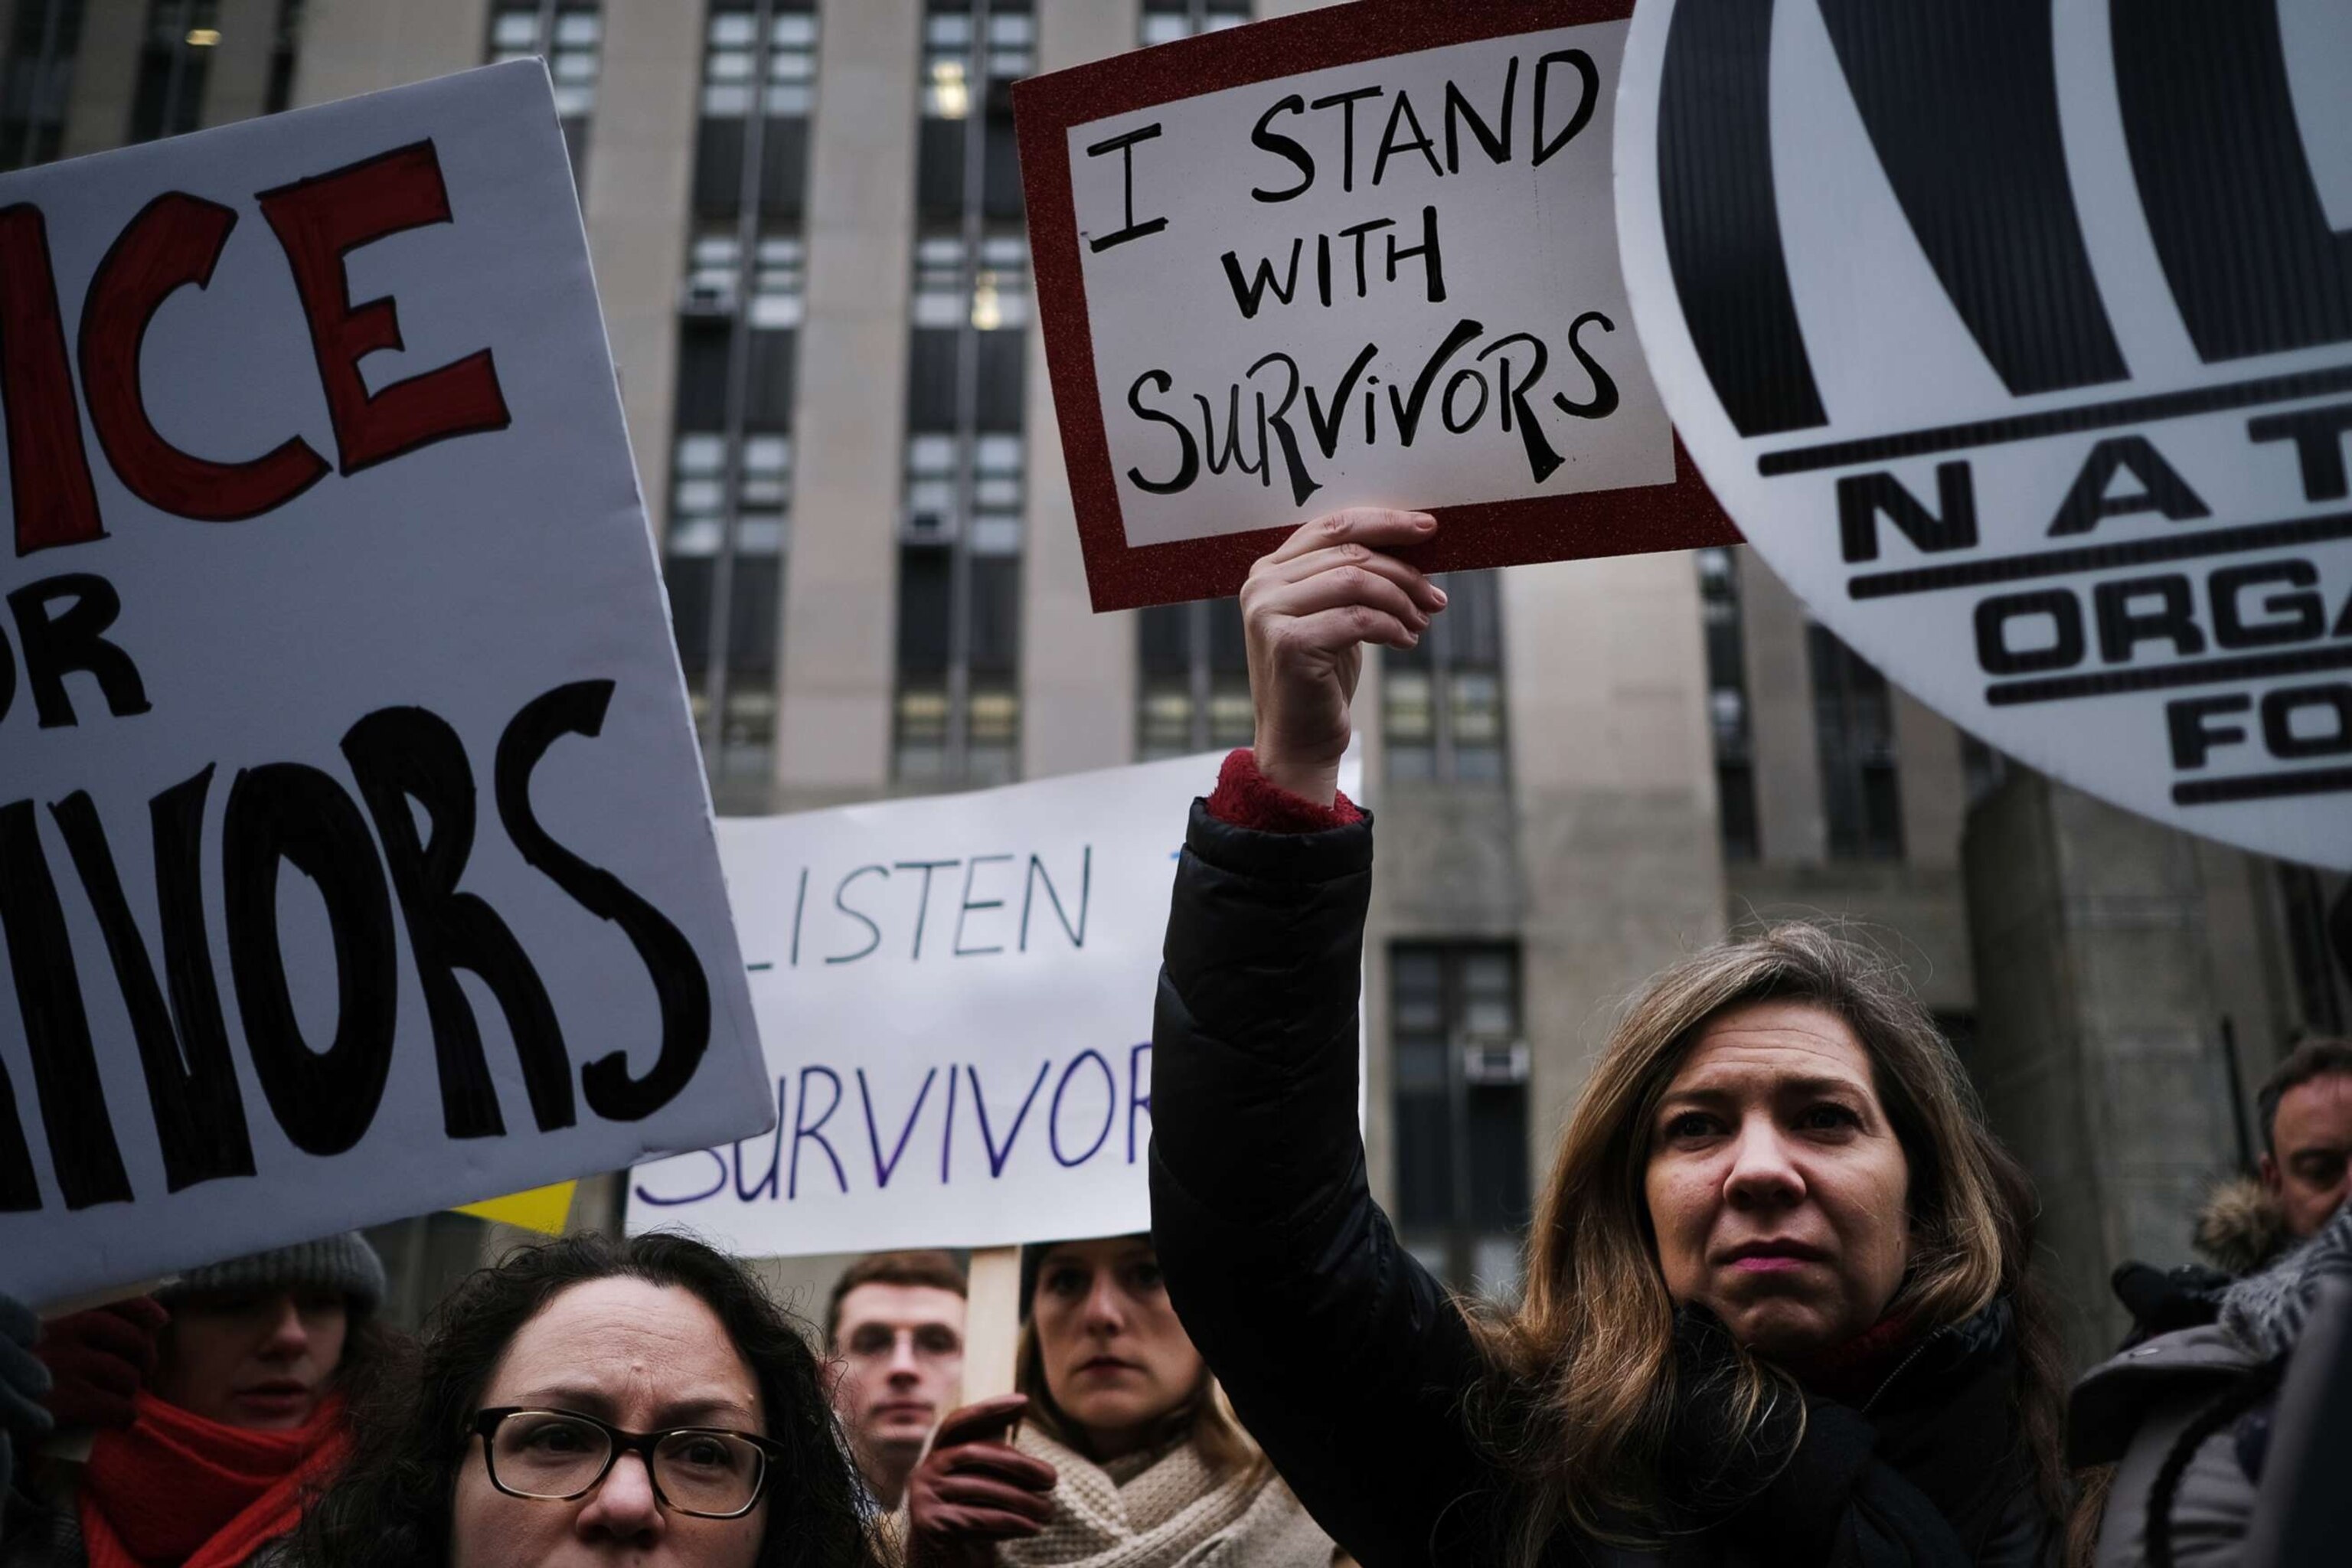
(718, 1186)
(883, 1169)
(775, 1153)
(1053, 1112)
(947, 1132)
(801, 1128)
(1137, 1096)
(998, 1156)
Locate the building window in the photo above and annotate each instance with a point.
(1461, 1086)
(569, 35)
(175, 57)
(1164, 21)
(1726, 704)
(958, 715)
(42, 38)
(1442, 702)
(1194, 693)
(740, 316)
(285, 45)
(1853, 722)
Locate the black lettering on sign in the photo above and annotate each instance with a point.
(1401, 112)
(1458, 111)
(56, 645)
(2127, 617)
(680, 987)
(191, 1086)
(1603, 401)
(2286, 737)
(1588, 98)
(1721, 219)
(1124, 145)
(1250, 293)
(83, 1150)
(2318, 437)
(2189, 721)
(1346, 102)
(1997, 643)
(401, 755)
(1862, 498)
(2290, 617)
(285, 814)
(1188, 465)
(1283, 146)
(2161, 488)
(1929, 77)
(2253, 264)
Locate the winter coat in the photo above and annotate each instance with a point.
(1351, 1365)
(2239, 1231)
(2204, 1393)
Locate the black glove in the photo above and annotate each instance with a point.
(23, 1382)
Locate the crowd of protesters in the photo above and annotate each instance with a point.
(1779, 1303)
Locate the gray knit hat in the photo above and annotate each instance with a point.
(345, 1263)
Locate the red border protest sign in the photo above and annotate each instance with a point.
(1122, 573)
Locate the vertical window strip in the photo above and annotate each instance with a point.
(1853, 715)
(1441, 704)
(569, 35)
(284, 49)
(958, 714)
(175, 59)
(38, 81)
(1729, 719)
(1460, 1072)
(1192, 691)
(1165, 21)
(740, 307)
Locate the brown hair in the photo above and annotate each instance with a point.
(936, 1270)
(1205, 1418)
(2314, 1057)
(1579, 1406)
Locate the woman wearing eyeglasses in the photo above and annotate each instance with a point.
(592, 1400)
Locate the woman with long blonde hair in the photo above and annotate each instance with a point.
(1778, 1305)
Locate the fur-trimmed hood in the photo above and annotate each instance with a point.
(2241, 1228)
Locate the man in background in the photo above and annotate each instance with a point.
(895, 1326)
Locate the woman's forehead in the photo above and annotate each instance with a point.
(1773, 1041)
(622, 1334)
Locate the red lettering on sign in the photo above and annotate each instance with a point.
(175, 241)
(319, 221)
(49, 472)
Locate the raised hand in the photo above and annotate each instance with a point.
(1308, 610)
(975, 1489)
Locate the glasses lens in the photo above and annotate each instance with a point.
(544, 1454)
(707, 1472)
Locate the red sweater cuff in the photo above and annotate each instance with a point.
(1244, 797)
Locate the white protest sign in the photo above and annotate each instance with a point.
(957, 996)
(2019, 338)
(1360, 258)
(354, 857)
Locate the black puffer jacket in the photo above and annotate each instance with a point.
(1349, 1362)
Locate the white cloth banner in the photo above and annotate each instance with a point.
(957, 993)
(354, 855)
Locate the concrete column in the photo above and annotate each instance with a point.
(351, 47)
(1791, 825)
(2098, 1048)
(1613, 772)
(840, 582)
(237, 85)
(640, 166)
(105, 76)
(1078, 669)
(1930, 780)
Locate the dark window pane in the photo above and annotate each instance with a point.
(1735, 786)
(702, 375)
(1165, 641)
(922, 611)
(938, 171)
(1228, 649)
(931, 379)
(752, 629)
(1496, 1115)
(717, 167)
(784, 169)
(1000, 178)
(1004, 361)
(688, 580)
(768, 406)
(1425, 1160)
(996, 614)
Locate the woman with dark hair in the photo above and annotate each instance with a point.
(1126, 1454)
(641, 1397)
(1778, 1304)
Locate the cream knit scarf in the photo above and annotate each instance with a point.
(1165, 1511)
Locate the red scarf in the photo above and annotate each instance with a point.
(175, 1490)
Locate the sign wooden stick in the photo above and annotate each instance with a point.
(991, 1321)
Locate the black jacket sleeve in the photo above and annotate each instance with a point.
(1343, 1357)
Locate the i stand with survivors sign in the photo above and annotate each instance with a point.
(2018, 336)
(335, 669)
(1361, 256)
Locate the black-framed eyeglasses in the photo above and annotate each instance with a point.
(556, 1455)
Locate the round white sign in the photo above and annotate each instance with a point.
(2017, 334)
